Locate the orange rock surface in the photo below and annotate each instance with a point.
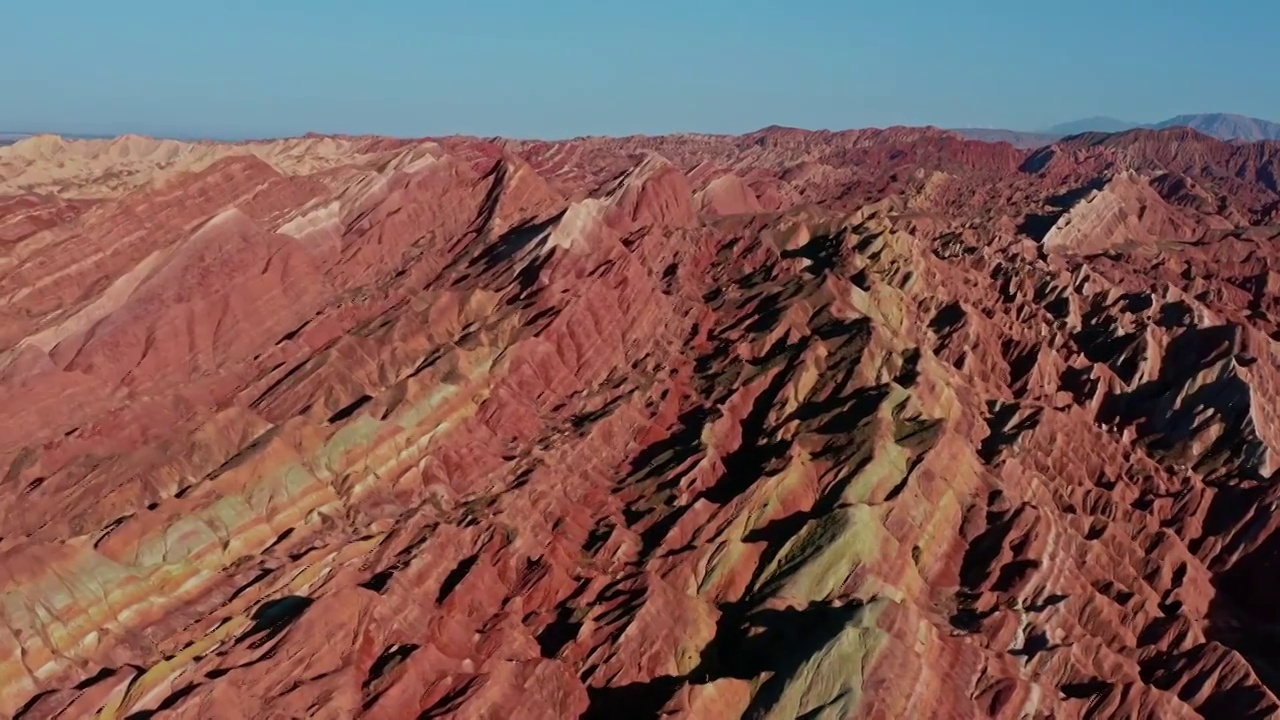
(876, 424)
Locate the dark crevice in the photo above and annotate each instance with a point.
(455, 577)
(293, 333)
(387, 661)
(295, 370)
(448, 706)
(633, 701)
(378, 583)
(262, 575)
(96, 678)
(350, 409)
(168, 703)
(273, 617)
(1084, 689)
(559, 633)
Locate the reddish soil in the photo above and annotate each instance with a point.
(878, 424)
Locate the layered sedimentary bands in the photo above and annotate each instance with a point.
(878, 424)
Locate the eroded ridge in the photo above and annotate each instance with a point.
(879, 424)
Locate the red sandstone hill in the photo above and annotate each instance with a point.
(882, 424)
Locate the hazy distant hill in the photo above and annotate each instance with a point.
(8, 137)
(1223, 126)
(1013, 137)
(1093, 124)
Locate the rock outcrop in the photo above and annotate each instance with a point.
(1124, 214)
(883, 424)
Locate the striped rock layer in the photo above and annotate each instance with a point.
(883, 424)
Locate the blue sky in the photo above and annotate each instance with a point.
(570, 67)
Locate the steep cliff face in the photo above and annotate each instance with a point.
(883, 424)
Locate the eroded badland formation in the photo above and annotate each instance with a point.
(877, 424)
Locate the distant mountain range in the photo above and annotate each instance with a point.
(9, 137)
(1223, 126)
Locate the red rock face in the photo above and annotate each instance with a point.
(883, 424)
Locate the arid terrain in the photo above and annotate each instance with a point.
(883, 424)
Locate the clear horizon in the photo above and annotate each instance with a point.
(189, 137)
(574, 68)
